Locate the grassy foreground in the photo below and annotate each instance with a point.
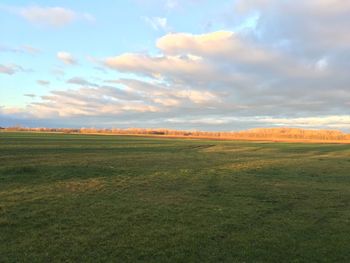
(127, 199)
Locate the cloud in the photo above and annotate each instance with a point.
(330, 122)
(58, 72)
(81, 82)
(30, 95)
(219, 44)
(159, 66)
(198, 97)
(43, 82)
(66, 58)
(21, 49)
(176, 96)
(301, 23)
(11, 69)
(51, 16)
(55, 17)
(128, 98)
(171, 4)
(199, 121)
(338, 121)
(246, 77)
(102, 101)
(197, 58)
(30, 49)
(7, 69)
(289, 69)
(157, 23)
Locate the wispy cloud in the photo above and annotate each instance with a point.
(21, 49)
(30, 49)
(11, 69)
(58, 72)
(157, 23)
(81, 82)
(43, 82)
(55, 16)
(171, 4)
(333, 121)
(52, 16)
(66, 58)
(30, 95)
(102, 101)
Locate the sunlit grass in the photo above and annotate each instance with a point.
(125, 199)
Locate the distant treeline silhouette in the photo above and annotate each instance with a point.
(254, 134)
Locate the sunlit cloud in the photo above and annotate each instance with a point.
(66, 58)
(275, 63)
(55, 16)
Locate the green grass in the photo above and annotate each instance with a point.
(130, 199)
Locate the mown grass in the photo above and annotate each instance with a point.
(130, 199)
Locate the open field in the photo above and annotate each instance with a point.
(96, 198)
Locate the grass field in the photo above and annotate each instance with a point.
(127, 199)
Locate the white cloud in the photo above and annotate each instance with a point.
(209, 43)
(198, 97)
(30, 49)
(81, 82)
(66, 58)
(171, 4)
(176, 96)
(21, 49)
(168, 102)
(43, 82)
(7, 69)
(51, 16)
(11, 69)
(101, 101)
(156, 66)
(338, 121)
(291, 66)
(200, 120)
(30, 95)
(58, 72)
(240, 76)
(54, 16)
(157, 23)
(321, 64)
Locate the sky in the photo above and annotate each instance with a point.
(221, 65)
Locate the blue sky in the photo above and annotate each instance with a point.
(116, 27)
(197, 64)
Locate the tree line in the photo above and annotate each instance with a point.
(258, 133)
